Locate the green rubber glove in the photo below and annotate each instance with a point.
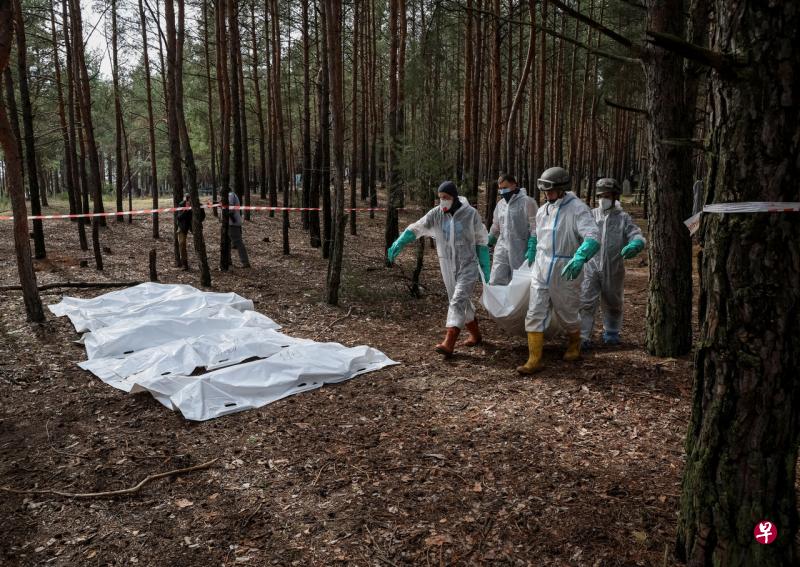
(492, 240)
(632, 249)
(404, 240)
(588, 249)
(530, 254)
(483, 260)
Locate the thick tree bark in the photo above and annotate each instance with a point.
(744, 430)
(669, 304)
(13, 160)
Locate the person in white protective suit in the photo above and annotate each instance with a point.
(604, 276)
(513, 232)
(461, 243)
(567, 238)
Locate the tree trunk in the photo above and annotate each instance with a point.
(223, 85)
(669, 304)
(469, 86)
(280, 134)
(475, 120)
(325, 125)
(245, 142)
(151, 131)
(13, 160)
(493, 170)
(538, 164)
(73, 188)
(27, 126)
(262, 159)
(333, 19)
(306, 179)
(515, 104)
(188, 155)
(118, 175)
(394, 182)
(212, 138)
(94, 181)
(354, 116)
(744, 429)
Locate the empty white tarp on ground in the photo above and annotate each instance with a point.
(507, 305)
(153, 337)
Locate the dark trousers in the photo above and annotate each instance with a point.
(235, 234)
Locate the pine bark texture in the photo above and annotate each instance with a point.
(669, 303)
(745, 426)
(22, 245)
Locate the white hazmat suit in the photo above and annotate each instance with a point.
(456, 236)
(604, 274)
(561, 228)
(513, 223)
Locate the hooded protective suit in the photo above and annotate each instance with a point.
(604, 274)
(456, 236)
(513, 223)
(561, 228)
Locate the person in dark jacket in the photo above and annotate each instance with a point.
(184, 221)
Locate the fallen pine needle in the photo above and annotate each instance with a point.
(123, 492)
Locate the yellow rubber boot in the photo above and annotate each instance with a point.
(535, 347)
(573, 346)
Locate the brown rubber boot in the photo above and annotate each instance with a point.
(573, 346)
(535, 347)
(475, 337)
(447, 346)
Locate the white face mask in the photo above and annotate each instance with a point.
(445, 204)
(606, 204)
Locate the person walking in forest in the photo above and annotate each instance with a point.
(235, 227)
(184, 222)
(462, 246)
(567, 237)
(604, 278)
(513, 231)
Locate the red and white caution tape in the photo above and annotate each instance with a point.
(693, 222)
(175, 209)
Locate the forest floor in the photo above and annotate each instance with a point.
(433, 461)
